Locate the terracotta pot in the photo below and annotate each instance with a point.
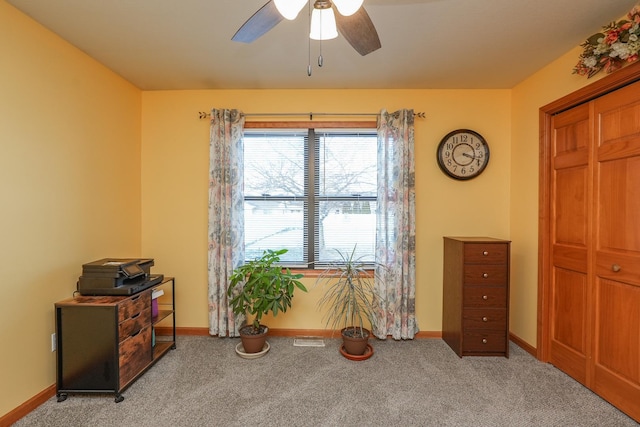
(352, 342)
(253, 343)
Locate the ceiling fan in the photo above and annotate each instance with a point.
(351, 19)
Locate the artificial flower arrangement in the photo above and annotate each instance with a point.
(619, 42)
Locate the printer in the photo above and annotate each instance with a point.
(117, 276)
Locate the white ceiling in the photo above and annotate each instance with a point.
(449, 44)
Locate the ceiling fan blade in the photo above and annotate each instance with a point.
(262, 21)
(359, 31)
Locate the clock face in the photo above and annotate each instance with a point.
(463, 154)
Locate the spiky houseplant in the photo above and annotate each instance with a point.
(262, 286)
(350, 300)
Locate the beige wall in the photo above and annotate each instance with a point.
(69, 184)
(91, 167)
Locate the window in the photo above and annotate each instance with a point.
(311, 191)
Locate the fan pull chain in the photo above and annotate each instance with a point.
(320, 58)
(309, 60)
(309, 45)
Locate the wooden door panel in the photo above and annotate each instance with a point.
(616, 312)
(568, 330)
(568, 348)
(619, 116)
(622, 394)
(570, 258)
(569, 312)
(619, 267)
(571, 138)
(571, 129)
(570, 362)
(617, 354)
(618, 325)
(571, 207)
(571, 159)
(619, 204)
(618, 149)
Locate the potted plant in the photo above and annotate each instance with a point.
(259, 287)
(351, 301)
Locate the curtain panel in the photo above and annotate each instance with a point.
(395, 231)
(226, 216)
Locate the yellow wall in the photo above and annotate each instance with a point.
(544, 87)
(174, 181)
(70, 188)
(91, 167)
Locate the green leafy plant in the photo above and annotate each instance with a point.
(350, 298)
(262, 286)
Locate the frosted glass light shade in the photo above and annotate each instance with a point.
(323, 24)
(348, 7)
(289, 9)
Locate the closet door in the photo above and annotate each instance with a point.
(616, 323)
(569, 337)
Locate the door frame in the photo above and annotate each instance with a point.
(609, 83)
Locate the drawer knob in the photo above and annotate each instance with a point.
(485, 275)
(484, 319)
(615, 268)
(484, 340)
(485, 253)
(485, 297)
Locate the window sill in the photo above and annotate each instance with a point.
(310, 272)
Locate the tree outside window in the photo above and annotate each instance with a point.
(310, 191)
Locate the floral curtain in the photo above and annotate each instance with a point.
(395, 232)
(226, 216)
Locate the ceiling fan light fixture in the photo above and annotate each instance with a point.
(347, 7)
(289, 9)
(323, 24)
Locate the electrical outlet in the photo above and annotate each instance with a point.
(54, 343)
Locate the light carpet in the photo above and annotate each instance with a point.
(413, 383)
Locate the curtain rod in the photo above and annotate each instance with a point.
(204, 115)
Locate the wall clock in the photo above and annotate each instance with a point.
(463, 154)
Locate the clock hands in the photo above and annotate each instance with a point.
(468, 155)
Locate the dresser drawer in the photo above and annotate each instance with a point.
(485, 319)
(134, 305)
(134, 324)
(479, 342)
(486, 253)
(135, 353)
(490, 274)
(486, 296)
